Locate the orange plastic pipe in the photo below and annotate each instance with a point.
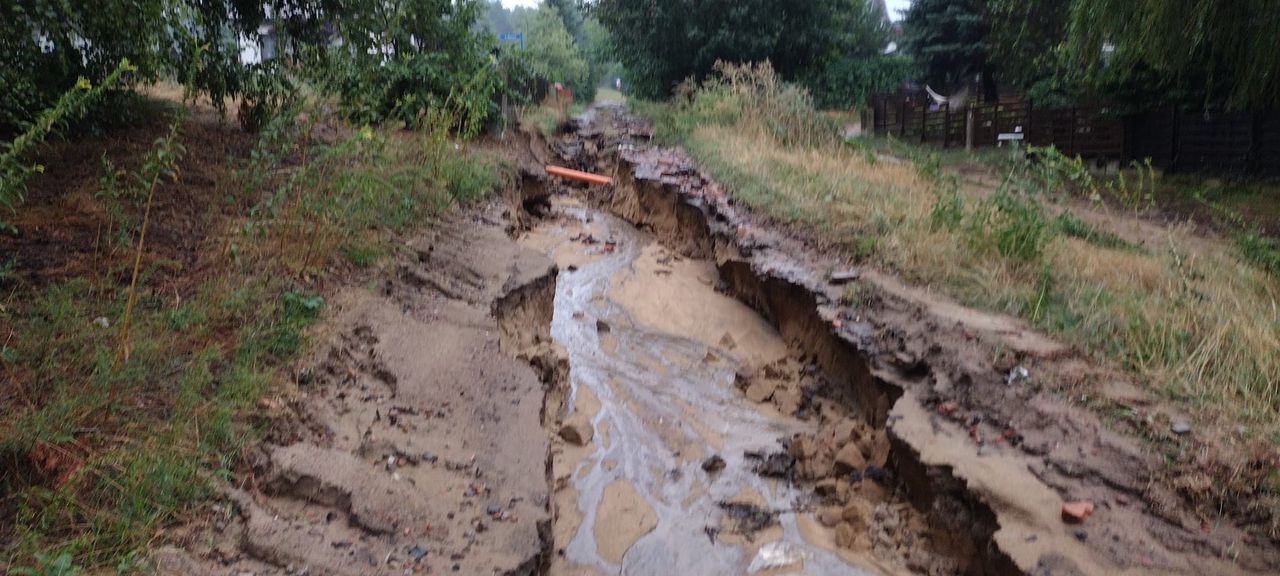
(579, 176)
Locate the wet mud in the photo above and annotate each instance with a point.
(891, 437)
(646, 378)
(413, 442)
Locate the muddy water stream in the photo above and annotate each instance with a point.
(653, 351)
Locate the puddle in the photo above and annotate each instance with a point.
(653, 353)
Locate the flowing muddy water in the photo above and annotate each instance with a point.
(653, 352)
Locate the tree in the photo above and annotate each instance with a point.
(552, 51)
(497, 20)
(857, 66)
(668, 41)
(1024, 38)
(571, 13)
(947, 39)
(1216, 54)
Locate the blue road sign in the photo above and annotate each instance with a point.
(512, 38)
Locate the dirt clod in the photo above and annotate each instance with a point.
(1077, 511)
(577, 430)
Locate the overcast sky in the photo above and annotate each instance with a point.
(896, 7)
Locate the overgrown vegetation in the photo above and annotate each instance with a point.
(129, 395)
(104, 449)
(1190, 318)
(1133, 54)
(836, 47)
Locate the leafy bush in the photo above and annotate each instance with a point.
(50, 44)
(754, 92)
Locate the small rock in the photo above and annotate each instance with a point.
(602, 327)
(857, 513)
(1081, 535)
(417, 553)
(849, 458)
(787, 400)
(845, 536)
(844, 277)
(760, 390)
(876, 474)
(826, 487)
(1180, 428)
(1122, 500)
(1077, 511)
(713, 464)
(577, 430)
(829, 516)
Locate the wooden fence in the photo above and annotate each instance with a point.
(1236, 143)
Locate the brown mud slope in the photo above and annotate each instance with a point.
(982, 438)
(413, 442)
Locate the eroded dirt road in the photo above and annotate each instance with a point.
(666, 482)
(644, 379)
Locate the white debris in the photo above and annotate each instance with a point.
(775, 555)
(1016, 375)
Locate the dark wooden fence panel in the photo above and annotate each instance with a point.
(984, 124)
(1055, 128)
(956, 128)
(1152, 135)
(1266, 156)
(1099, 134)
(935, 127)
(1214, 143)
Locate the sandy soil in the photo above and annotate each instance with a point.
(412, 442)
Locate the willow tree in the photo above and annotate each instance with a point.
(1222, 54)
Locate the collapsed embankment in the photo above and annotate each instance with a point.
(976, 445)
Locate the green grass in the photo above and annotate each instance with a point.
(96, 459)
(610, 95)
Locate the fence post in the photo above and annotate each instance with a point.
(946, 125)
(1026, 128)
(924, 119)
(1255, 144)
(902, 118)
(968, 129)
(995, 122)
(1072, 141)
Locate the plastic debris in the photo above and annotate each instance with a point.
(775, 555)
(1016, 375)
